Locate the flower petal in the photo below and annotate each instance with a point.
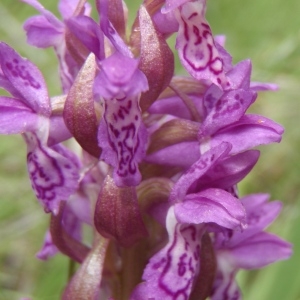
(228, 172)
(49, 249)
(211, 206)
(228, 109)
(16, 117)
(196, 47)
(171, 272)
(260, 250)
(198, 169)
(53, 177)
(26, 79)
(41, 33)
(122, 135)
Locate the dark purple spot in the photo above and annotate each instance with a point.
(192, 15)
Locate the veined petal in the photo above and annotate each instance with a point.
(198, 169)
(41, 33)
(211, 206)
(227, 110)
(171, 272)
(16, 117)
(26, 79)
(228, 172)
(53, 177)
(122, 135)
(225, 286)
(196, 47)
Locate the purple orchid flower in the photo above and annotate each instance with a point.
(53, 170)
(171, 273)
(249, 249)
(121, 134)
(223, 118)
(47, 30)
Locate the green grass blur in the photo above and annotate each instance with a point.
(266, 31)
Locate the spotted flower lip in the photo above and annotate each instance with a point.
(53, 175)
(121, 135)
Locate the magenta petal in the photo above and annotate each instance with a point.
(120, 75)
(240, 74)
(26, 79)
(41, 33)
(261, 86)
(171, 272)
(196, 47)
(67, 8)
(58, 130)
(260, 214)
(182, 154)
(48, 15)
(53, 177)
(227, 110)
(198, 169)
(211, 206)
(250, 131)
(16, 117)
(121, 135)
(228, 172)
(260, 250)
(225, 286)
(87, 31)
(165, 23)
(48, 250)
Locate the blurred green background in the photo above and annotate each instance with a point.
(265, 31)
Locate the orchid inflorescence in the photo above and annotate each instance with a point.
(161, 155)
